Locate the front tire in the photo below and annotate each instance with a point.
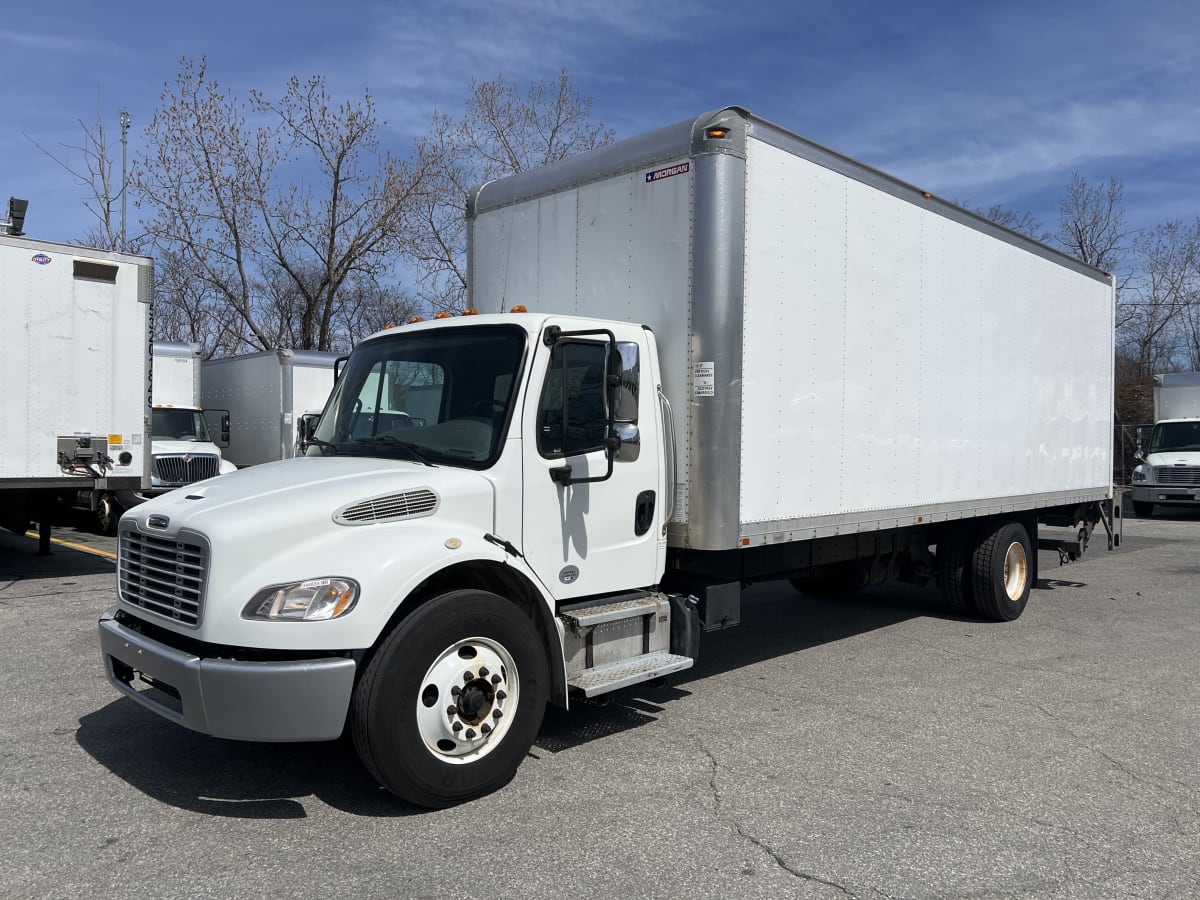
(1142, 509)
(1002, 570)
(450, 704)
(108, 514)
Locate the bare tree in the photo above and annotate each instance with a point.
(1150, 308)
(1020, 222)
(239, 191)
(95, 173)
(502, 132)
(1091, 222)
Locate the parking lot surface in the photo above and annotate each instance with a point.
(876, 747)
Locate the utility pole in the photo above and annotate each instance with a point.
(124, 149)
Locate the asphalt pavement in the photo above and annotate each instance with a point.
(878, 747)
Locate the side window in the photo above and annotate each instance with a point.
(572, 413)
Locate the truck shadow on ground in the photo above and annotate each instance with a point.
(271, 781)
(233, 779)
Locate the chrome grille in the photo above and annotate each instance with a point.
(388, 507)
(186, 468)
(1189, 475)
(163, 576)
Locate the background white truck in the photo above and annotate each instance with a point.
(267, 395)
(1169, 474)
(748, 358)
(75, 364)
(184, 450)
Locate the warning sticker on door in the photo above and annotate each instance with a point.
(704, 380)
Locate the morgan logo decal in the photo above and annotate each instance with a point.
(41, 259)
(659, 174)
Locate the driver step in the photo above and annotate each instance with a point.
(614, 676)
(625, 606)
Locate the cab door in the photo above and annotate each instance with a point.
(589, 530)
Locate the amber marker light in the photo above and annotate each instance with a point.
(716, 133)
(415, 319)
(519, 308)
(442, 315)
(470, 311)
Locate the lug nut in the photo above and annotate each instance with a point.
(451, 709)
(496, 713)
(485, 728)
(500, 695)
(483, 672)
(456, 727)
(455, 691)
(495, 679)
(468, 675)
(470, 733)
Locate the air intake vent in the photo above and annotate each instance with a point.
(388, 508)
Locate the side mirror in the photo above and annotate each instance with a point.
(225, 428)
(304, 431)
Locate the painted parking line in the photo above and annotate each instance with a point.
(84, 548)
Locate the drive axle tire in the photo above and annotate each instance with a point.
(452, 701)
(1002, 572)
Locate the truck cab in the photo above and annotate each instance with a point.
(1169, 473)
(477, 526)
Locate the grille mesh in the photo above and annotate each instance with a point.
(163, 576)
(1177, 475)
(388, 508)
(178, 470)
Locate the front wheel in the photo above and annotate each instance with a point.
(108, 514)
(1002, 572)
(450, 704)
(1142, 509)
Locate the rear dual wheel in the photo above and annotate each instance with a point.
(989, 575)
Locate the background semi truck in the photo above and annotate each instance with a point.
(75, 363)
(713, 355)
(1169, 473)
(268, 395)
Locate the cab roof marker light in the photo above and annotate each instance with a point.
(519, 308)
(442, 315)
(470, 311)
(413, 320)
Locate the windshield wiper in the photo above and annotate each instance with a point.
(327, 448)
(393, 441)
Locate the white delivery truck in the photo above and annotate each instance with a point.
(268, 395)
(1169, 475)
(183, 448)
(75, 366)
(730, 356)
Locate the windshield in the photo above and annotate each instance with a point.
(1173, 436)
(435, 397)
(178, 425)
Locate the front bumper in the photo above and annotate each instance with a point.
(1164, 494)
(284, 700)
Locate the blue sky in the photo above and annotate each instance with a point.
(986, 102)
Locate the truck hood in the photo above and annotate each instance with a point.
(306, 492)
(1174, 458)
(161, 446)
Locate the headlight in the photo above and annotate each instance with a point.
(316, 599)
(1139, 474)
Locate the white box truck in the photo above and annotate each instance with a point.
(1169, 474)
(75, 366)
(268, 395)
(184, 448)
(730, 356)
